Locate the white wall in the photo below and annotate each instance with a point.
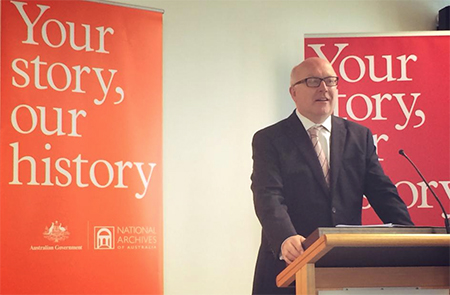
(226, 75)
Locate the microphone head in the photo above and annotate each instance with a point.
(401, 152)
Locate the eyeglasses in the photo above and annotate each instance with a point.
(315, 82)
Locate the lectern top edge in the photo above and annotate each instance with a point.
(387, 240)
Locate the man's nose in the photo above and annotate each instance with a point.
(323, 86)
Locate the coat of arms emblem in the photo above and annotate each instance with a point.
(56, 232)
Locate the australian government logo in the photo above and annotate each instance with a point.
(124, 238)
(56, 233)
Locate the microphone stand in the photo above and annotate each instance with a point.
(447, 224)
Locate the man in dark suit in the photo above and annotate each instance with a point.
(311, 170)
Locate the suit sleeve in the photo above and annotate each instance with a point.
(381, 192)
(267, 187)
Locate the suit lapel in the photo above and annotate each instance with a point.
(338, 137)
(300, 137)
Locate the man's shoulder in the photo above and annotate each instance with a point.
(275, 130)
(350, 125)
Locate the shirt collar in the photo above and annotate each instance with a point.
(307, 123)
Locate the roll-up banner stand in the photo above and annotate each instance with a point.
(81, 148)
(398, 85)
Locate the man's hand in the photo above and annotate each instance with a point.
(292, 248)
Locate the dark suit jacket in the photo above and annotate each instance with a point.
(291, 196)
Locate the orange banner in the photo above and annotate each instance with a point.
(81, 149)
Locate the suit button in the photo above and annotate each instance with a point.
(333, 210)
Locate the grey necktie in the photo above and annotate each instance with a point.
(314, 134)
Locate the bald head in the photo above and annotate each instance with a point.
(309, 67)
(315, 103)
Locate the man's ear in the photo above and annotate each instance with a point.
(292, 91)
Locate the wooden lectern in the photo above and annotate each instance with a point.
(346, 259)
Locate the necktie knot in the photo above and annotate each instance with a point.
(314, 131)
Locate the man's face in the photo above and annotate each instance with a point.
(316, 104)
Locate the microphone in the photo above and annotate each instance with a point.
(447, 224)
